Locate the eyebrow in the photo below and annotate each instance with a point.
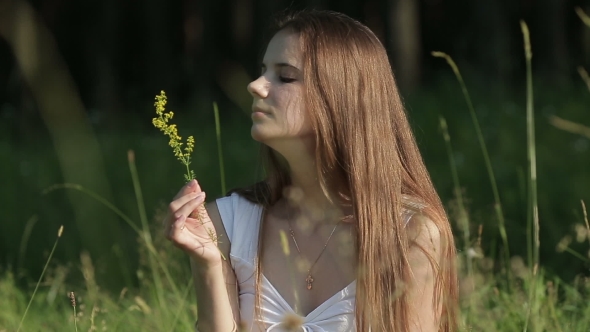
(280, 65)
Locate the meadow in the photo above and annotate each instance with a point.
(514, 180)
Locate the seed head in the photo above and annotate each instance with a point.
(292, 322)
(73, 299)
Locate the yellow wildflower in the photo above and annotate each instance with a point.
(175, 142)
(170, 130)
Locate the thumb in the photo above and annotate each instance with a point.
(190, 187)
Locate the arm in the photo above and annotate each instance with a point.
(213, 302)
(425, 250)
(216, 286)
(192, 229)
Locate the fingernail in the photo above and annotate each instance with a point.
(200, 195)
(191, 183)
(181, 217)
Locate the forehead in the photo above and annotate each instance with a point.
(284, 47)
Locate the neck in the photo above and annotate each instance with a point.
(306, 195)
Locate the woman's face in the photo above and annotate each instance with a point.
(277, 110)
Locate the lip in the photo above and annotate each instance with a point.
(259, 111)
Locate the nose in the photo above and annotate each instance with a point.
(259, 87)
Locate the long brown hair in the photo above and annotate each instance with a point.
(363, 138)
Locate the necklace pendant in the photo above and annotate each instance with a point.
(309, 281)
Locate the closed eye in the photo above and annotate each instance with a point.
(286, 79)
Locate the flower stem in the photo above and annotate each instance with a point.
(59, 232)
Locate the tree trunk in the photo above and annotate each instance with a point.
(101, 56)
(160, 67)
(551, 29)
(195, 66)
(76, 147)
(492, 40)
(405, 42)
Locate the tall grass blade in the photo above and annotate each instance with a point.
(123, 216)
(497, 204)
(532, 160)
(75, 316)
(59, 233)
(584, 75)
(146, 230)
(586, 219)
(98, 198)
(463, 216)
(25, 239)
(575, 254)
(75, 320)
(569, 126)
(181, 309)
(219, 151)
(583, 16)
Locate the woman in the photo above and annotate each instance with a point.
(350, 232)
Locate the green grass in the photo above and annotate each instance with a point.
(162, 299)
(485, 305)
(160, 296)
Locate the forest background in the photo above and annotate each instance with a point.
(78, 80)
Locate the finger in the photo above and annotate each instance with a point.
(191, 186)
(178, 203)
(199, 213)
(190, 206)
(178, 234)
(197, 186)
(175, 229)
(195, 222)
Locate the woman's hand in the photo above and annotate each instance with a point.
(189, 227)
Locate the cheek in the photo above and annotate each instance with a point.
(303, 122)
(289, 119)
(297, 119)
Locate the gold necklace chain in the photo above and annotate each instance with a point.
(309, 278)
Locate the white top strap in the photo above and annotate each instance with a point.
(241, 219)
(226, 211)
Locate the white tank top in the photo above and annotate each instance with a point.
(241, 219)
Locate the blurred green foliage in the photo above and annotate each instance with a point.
(31, 166)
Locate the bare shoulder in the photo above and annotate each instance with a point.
(222, 242)
(428, 285)
(425, 237)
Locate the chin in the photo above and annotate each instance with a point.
(258, 135)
